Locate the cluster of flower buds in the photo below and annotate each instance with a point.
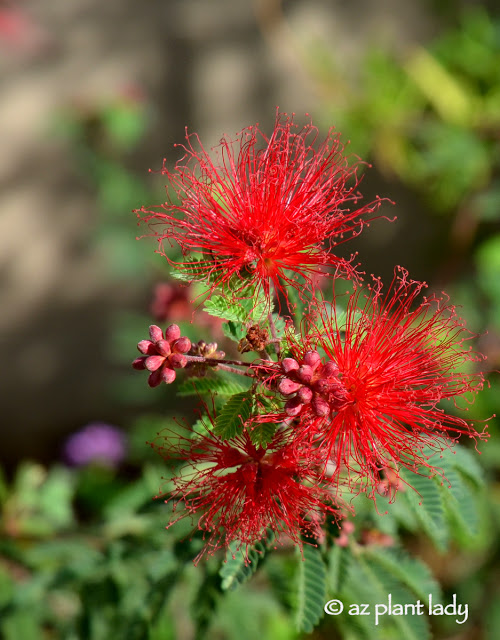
(203, 349)
(311, 382)
(163, 354)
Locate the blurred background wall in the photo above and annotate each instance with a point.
(92, 95)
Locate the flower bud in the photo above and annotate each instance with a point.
(312, 358)
(293, 407)
(289, 364)
(168, 375)
(155, 333)
(177, 361)
(139, 364)
(154, 362)
(172, 333)
(181, 345)
(163, 347)
(330, 369)
(305, 395)
(287, 386)
(305, 374)
(155, 378)
(146, 347)
(320, 407)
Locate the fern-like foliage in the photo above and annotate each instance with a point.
(312, 588)
(235, 331)
(445, 505)
(208, 386)
(233, 415)
(370, 582)
(424, 498)
(239, 566)
(241, 310)
(262, 434)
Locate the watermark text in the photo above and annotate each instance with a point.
(390, 608)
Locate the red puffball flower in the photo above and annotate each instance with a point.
(264, 209)
(396, 360)
(238, 491)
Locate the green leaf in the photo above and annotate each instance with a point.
(20, 624)
(312, 589)
(241, 310)
(205, 602)
(423, 496)
(234, 331)
(460, 501)
(200, 386)
(338, 566)
(192, 269)
(222, 307)
(200, 428)
(262, 434)
(369, 582)
(465, 462)
(233, 415)
(6, 587)
(409, 571)
(239, 566)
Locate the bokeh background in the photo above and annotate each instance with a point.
(94, 94)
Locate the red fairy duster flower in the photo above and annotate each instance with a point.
(239, 491)
(373, 404)
(265, 209)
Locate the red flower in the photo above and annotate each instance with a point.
(377, 409)
(263, 208)
(238, 491)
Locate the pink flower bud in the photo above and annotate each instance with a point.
(182, 345)
(312, 358)
(163, 347)
(322, 386)
(146, 347)
(172, 333)
(155, 333)
(177, 361)
(330, 369)
(287, 386)
(293, 406)
(139, 364)
(168, 375)
(155, 378)
(320, 407)
(305, 374)
(154, 362)
(305, 394)
(289, 364)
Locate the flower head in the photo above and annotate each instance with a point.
(239, 490)
(266, 209)
(373, 405)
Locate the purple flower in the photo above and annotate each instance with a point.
(97, 442)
